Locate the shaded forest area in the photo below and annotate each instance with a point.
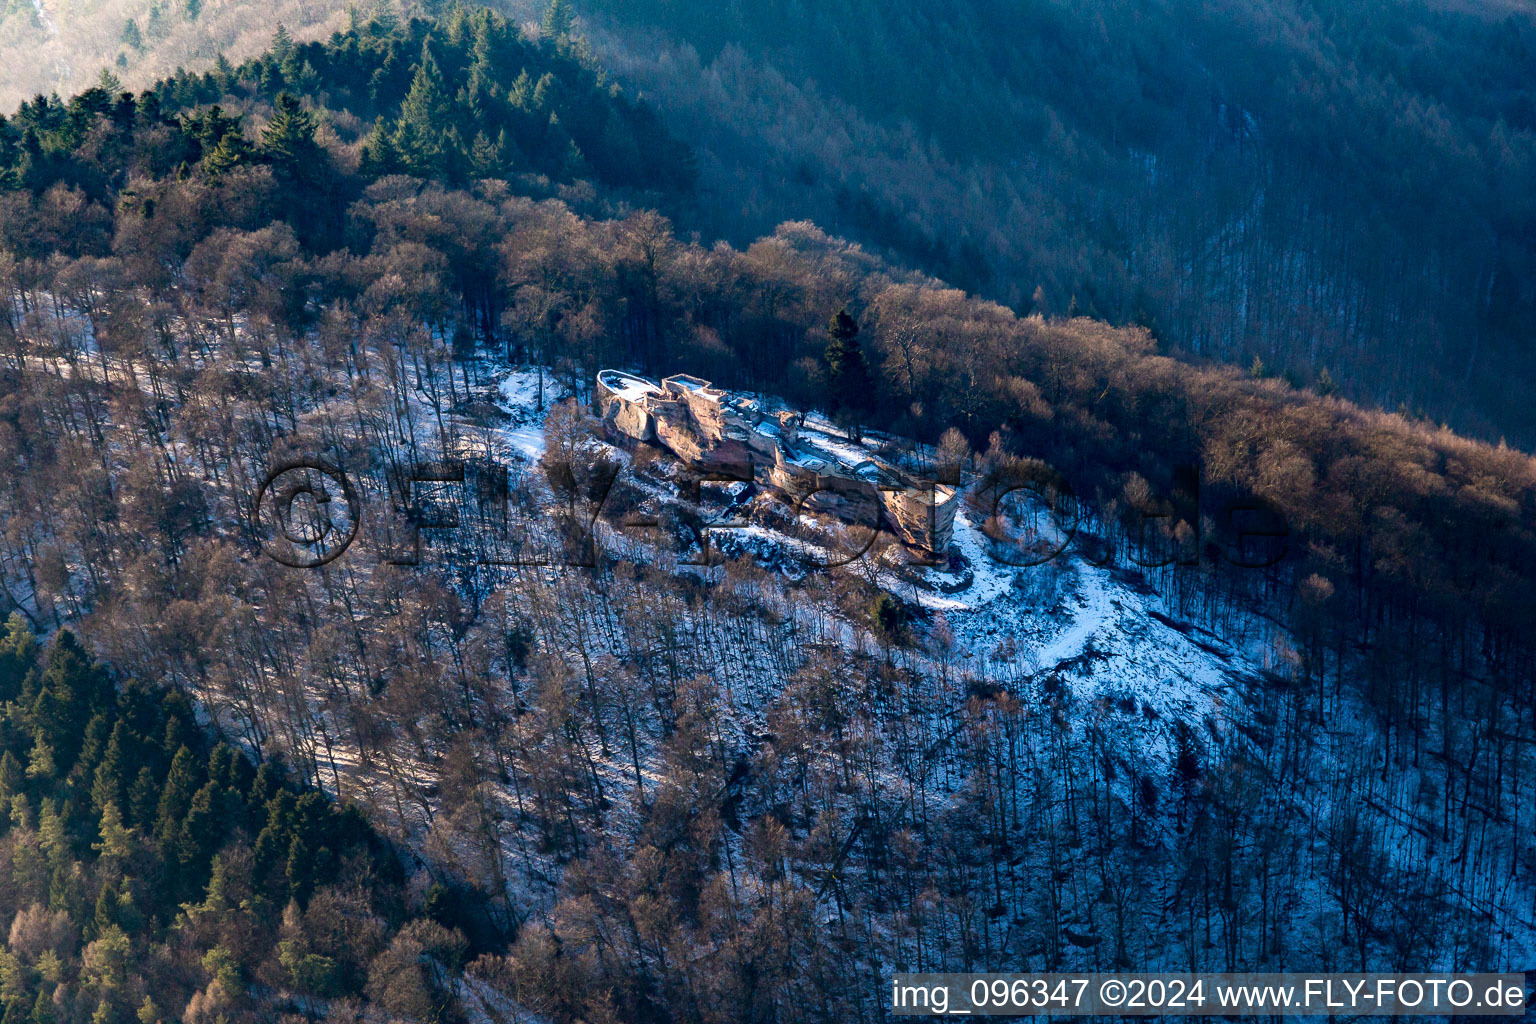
(1329, 191)
(1318, 185)
(697, 798)
(150, 874)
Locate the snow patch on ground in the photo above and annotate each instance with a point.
(520, 400)
(1066, 623)
(43, 19)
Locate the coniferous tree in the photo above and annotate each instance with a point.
(224, 766)
(378, 154)
(68, 685)
(175, 799)
(18, 653)
(97, 732)
(105, 915)
(849, 383)
(31, 171)
(42, 761)
(143, 798)
(232, 151)
(288, 140)
(201, 831)
(12, 778)
(268, 782)
(108, 782)
(53, 832)
(487, 159)
(307, 79)
(282, 44)
(419, 142)
(559, 20)
(116, 839)
(43, 1010)
(300, 869)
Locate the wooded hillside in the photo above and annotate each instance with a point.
(1335, 189)
(1317, 184)
(716, 794)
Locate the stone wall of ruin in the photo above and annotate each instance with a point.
(699, 426)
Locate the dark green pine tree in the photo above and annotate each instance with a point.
(300, 870)
(267, 784)
(108, 784)
(559, 20)
(43, 1011)
(488, 159)
(222, 766)
(270, 78)
(521, 93)
(125, 111)
(307, 79)
(270, 853)
(18, 653)
(886, 615)
(418, 141)
(106, 912)
(378, 156)
(132, 37)
(12, 778)
(97, 732)
(282, 44)
(489, 32)
(178, 729)
(143, 798)
(176, 797)
(288, 140)
(848, 381)
(475, 98)
(202, 831)
(31, 169)
(546, 93)
(70, 685)
(232, 151)
(41, 760)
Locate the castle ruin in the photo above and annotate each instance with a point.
(708, 427)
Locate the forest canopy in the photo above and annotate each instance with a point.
(1335, 188)
(470, 98)
(1339, 185)
(629, 790)
(148, 869)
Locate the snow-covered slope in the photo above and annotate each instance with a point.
(1101, 632)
